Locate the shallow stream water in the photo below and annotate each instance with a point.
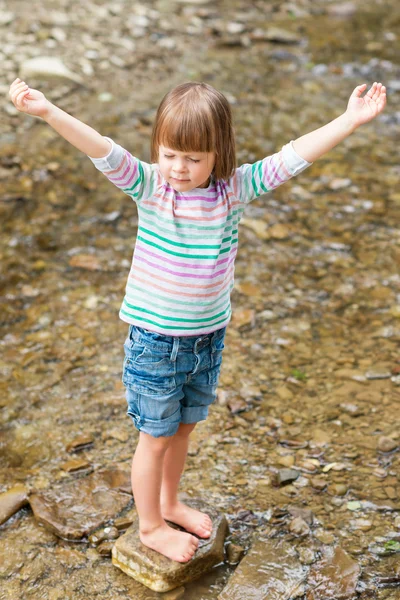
(311, 374)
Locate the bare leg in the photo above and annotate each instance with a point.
(147, 468)
(171, 509)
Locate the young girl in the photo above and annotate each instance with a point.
(177, 302)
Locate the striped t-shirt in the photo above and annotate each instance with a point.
(182, 270)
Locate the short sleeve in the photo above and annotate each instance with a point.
(134, 177)
(261, 177)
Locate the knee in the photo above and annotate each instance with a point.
(155, 445)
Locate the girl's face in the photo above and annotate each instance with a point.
(185, 171)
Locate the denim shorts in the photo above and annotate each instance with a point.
(170, 380)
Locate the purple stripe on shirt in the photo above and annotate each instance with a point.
(179, 273)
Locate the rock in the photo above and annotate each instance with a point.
(11, 501)
(336, 576)
(304, 513)
(274, 34)
(6, 17)
(237, 405)
(279, 232)
(259, 227)
(48, 67)
(285, 476)
(105, 548)
(269, 571)
(339, 184)
(378, 374)
(325, 537)
(345, 9)
(105, 534)
(387, 444)
(306, 556)
(90, 262)
(80, 443)
(234, 553)
(299, 527)
(123, 522)
(75, 465)
(243, 316)
(318, 483)
(284, 393)
(161, 574)
(79, 507)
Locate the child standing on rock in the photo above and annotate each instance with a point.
(190, 201)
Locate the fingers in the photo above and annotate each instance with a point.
(18, 90)
(382, 99)
(359, 90)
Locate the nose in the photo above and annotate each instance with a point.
(179, 166)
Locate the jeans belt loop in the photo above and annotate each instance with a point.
(175, 349)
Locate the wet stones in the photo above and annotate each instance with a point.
(336, 576)
(81, 506)
(11, 501)
(285, 476)
(161, 574)
(269, 571)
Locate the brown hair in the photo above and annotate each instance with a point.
(194, 117)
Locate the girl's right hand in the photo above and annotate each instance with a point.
(27, 100)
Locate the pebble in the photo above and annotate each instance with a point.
(105, 548)
(299, 527)
(386, 444)
(75, 465)
(325, 537)
(338, 489)
(318, 484)
(285, 476)
(234, 553)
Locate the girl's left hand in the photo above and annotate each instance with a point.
(363, 109)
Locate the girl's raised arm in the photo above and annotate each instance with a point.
(360, 110)
(78, 134)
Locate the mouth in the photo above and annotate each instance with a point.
(180, 180)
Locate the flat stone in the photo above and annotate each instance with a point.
(48, 67)
(270, 571)
(81, 506)
(161, 574)
(285, 476)
(80, 443)
(11, 501)
(75, 465)
(336, 576)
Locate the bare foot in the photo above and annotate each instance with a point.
(174, 544)
(190, 519)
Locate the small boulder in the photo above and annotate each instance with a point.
(161, 574)
(76, 509)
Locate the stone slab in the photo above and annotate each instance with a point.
(161, 574)
(77, 508)
(269, 571)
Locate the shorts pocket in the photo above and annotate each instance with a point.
(147, 372)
